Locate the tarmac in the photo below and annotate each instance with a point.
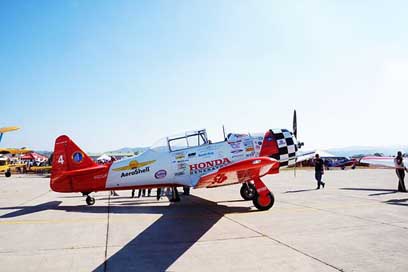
(359, 222)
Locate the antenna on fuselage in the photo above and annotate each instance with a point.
(223, 131)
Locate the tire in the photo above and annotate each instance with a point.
(263, 205)
(248, 191)
(90, 200)
(7, 174)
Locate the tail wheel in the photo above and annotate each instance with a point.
(7, 174)
(248, 191)
(265, 202)
(90, 200)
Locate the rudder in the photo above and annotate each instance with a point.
(67, 156)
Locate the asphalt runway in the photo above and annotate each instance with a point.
(357, 223)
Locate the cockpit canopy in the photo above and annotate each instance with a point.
(189, 139)
(181, 141)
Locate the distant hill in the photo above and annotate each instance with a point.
(129, 150)
(368, 150)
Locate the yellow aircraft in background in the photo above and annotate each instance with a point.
(12, 151)
(5, 165)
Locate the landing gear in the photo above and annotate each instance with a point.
(8, 173)
(90, 200)
(263, 199)
(264, 202)
(248, 191)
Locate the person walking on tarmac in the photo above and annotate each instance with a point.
(400, 170)
(319, 171)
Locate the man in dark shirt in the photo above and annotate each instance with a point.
(319, 171)
(400, 170)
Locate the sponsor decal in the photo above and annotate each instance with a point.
(180, 161)
(78, 157)
(206, 154)
(182, 166)
(134, 165)
(180, 156)
(238, 156)
(160, 174)
(100, 176)
(235, 145)
(259, 143)
(281, 142)
(269, 139)
(249, 149)
(191, 155)
(237, 151)
(203, 167)
(179, 173)
(249, 155)
(248, 143)
(135, 172)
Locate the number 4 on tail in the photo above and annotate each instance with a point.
(61, 159)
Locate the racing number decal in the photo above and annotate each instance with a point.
(61, 159)
(220, 178)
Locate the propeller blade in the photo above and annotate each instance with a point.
(294, 124)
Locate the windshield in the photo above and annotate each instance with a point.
(160, 145)
(181, 141)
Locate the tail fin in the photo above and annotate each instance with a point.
(67, 157)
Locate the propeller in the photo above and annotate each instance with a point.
(300, 144)
(294, 123)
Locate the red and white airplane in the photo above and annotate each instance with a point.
(186, 160)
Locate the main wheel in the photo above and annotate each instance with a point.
(90, 200)
(264, 203)
(7, 174)
(248, 191)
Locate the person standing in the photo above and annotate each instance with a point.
(174, 195)
(319, 171)
(400, 170)
(159, 193)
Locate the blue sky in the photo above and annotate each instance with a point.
(124, 73)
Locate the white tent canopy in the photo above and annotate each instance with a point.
(104, 157)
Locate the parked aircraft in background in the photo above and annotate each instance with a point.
(5, 166)
(12, 151)
(341, 162)
(186, 160)
(381, 161)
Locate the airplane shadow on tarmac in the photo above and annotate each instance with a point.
(162, 243)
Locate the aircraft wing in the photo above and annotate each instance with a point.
(239, 172)
(381, 161)
(305, 156)
(8, 129)
(14, 151)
